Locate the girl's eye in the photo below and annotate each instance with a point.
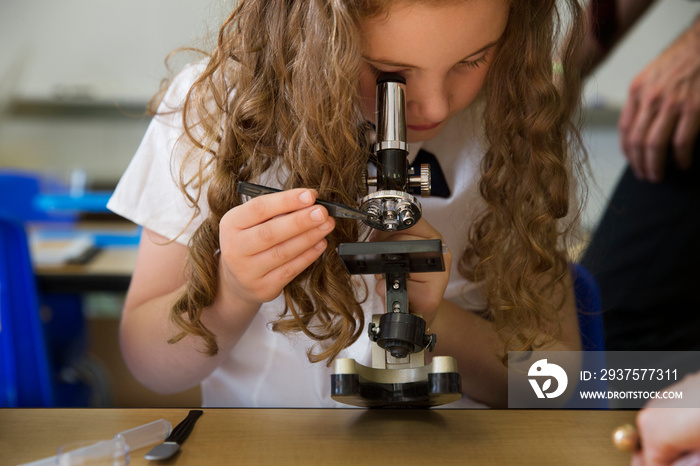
(377, 72)
(474, 63)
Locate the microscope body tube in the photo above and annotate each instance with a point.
(392, 146)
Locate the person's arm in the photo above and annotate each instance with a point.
(478, 349)
(669, 433)
(608, 22)
(146, 326)
(265, 243)
(662, 110)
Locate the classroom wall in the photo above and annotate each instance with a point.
(97, 50)
(68, 65)
(76, 59)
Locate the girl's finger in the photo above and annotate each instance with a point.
(263, 208)
(286, 251)
(286, 272)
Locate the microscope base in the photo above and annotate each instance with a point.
(436, 384)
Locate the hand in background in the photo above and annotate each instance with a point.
(425, 290)
(670, 435)
(663, 109)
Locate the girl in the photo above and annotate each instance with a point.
(249, 298)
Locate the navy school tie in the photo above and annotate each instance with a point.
(439, 187)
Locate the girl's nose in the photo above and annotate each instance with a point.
(427, 101)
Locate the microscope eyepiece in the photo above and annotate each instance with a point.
(391, 116)
(391, 77)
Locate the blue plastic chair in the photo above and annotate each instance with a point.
(33, 197)
(21, 190)
(590, 320)
(75, 379)
(588, 303)
(25, 372)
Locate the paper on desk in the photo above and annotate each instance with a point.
(138, 437)
(48, 250)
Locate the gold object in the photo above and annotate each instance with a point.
(626, 438)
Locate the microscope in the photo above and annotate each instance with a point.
(398, 377)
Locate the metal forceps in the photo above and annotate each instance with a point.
(335, 209)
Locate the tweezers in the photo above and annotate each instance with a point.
(334, 209)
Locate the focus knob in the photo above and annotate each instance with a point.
(425, 180)
(422, 181)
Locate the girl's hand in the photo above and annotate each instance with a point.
(269, 240)
(425, 290)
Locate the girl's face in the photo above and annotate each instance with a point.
(443, 51)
